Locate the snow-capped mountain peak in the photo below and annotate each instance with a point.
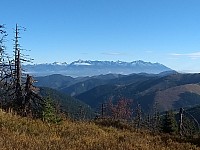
(81, 63)
(59, 63)
(89, 68)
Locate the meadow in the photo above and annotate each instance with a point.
(25, 133)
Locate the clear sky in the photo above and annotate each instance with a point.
(164, 31)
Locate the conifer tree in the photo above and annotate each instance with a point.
(138, 117)
(156, 122)
(169, 123)
(49, 113)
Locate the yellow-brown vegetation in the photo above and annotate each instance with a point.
(24, 133)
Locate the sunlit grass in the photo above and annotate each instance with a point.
(24, 133)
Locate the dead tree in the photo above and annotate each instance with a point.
(2, 53)
(103, 108)
(26, 98)
(18, 95)
(33, 103)
(2, 49)
(188, 124)
(181, 121)
(5, 69)
(23, 96)
(121, 110)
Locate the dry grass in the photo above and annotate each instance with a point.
(23, 133)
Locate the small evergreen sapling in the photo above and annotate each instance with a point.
(50, 114)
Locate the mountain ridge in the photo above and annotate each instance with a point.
(169, 92)
(81, 68)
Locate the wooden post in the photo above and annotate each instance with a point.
(181, 121)
(102, 110)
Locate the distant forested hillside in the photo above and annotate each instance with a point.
(74, 108)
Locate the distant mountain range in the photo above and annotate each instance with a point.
(82, 68)
(170, 90)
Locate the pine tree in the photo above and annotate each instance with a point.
(156, 118)
(49, 113)
(138, 117)
(169, 123)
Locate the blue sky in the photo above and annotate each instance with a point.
(164, 31)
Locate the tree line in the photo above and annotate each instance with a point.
(117, 114)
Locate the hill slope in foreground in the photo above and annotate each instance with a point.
(24, 133)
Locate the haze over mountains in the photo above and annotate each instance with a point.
(82, 68)
(95, 82)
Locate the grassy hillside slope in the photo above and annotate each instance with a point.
(23, 133)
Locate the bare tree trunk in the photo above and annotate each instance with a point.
(181, 121)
